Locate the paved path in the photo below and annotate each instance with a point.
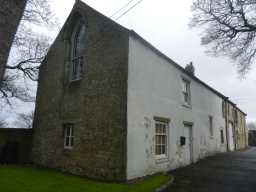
(228, 172)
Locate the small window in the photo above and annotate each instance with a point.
(221, 136)
(186, 91)
(68, 136)
(211, 126)
(235, 116)
(230, 110)
(161, 138)
(223, 109)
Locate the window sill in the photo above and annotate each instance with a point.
(187, 105)
(68, 148)
(75, 80)
(161, 159)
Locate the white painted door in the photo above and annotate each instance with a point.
(188, 147)
(231, 137)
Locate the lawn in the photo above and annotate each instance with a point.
(29, 179)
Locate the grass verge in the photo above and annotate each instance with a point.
(30, 179)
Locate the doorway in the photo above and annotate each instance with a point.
(231, 145)
(188, 147)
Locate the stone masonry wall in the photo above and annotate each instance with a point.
(10, 15)
(96, 104)
(241, 131)
(239, 125)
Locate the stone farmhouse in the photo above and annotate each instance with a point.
(111, 106)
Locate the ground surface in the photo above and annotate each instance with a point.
(228, 172)
(29, 179)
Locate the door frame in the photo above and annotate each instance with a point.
(229, 135)
(189, 125)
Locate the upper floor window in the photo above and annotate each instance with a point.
(211, 126)
(223, 109)
(229, 110)
(235, 115)
(186, 91)
(78, 49)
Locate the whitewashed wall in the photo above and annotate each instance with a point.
(155, 89)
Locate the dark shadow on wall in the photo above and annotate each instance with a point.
(15, 145)
(10, 153)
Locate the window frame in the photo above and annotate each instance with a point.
(70, 136)
(186, 92)
(165, 125)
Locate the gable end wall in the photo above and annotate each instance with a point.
(96, 104)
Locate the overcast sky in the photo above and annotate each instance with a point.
(164, 24)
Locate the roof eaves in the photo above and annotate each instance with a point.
(235, 106)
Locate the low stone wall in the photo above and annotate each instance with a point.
(252, 137)
(15, 145)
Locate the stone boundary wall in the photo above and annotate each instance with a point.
(252, 137)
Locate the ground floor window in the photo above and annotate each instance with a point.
(68, 135)
(222, 136)
(161, 138)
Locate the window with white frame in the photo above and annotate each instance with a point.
(161, 138)
(77, 52)
(211, 125)
(186, 91)
(68, 135)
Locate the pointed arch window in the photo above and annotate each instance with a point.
(78, 50)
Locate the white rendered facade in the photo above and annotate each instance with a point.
(155, 92)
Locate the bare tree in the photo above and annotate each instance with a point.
(3, 124)
(39, 12)
(28, 50)
(10, 89)
(25, 120)
(229, 29)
